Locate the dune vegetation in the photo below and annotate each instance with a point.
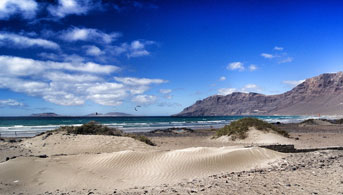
(94, 128)
(239, 128)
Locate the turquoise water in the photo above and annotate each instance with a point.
(30, 126)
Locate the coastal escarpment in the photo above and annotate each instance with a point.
(322, 94)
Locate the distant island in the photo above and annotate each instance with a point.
(320, 95)
(46, 114)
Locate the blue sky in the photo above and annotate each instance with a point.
(78, 57)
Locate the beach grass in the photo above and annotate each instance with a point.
(94, 128)
(240, 128)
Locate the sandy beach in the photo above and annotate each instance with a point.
(182, 162)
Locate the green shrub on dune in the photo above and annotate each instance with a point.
(240, 128)
(142, 138)
(94, 128)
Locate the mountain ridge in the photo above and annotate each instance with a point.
(321, 94)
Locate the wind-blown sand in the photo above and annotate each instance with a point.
(190, 163)
(61, 143)
(255, 136)
(128, 168)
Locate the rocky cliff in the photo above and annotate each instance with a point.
(322, 94)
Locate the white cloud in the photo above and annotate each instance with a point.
(109, 94)
(136, 48)
(69, 7)
(87, 67)
(139, 81)
(251, 88)
(281, 57)
(144, 99)
(26, 67)
(268, 56)
(138, 53)
(58, 76)
(288, 59)
(165, 91)
(235, 66)
(11, 40)
(137, 45)
(62, 57)
(88, 34)
(252, 67)
(222, 78)
(10, 102)
(226, 91)
(26, 8)
(278, 48)
(247, 88)
(93, 50)
(293, 83)
(70, 83)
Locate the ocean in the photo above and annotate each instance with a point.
(31, 126)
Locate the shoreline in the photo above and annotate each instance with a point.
(129, 126)
(187, 161)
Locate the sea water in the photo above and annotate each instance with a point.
(31, 126)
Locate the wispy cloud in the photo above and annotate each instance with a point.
(246, 89)
(278, 48)
(252, 67)
(267, 55)
(93, 50)
(138, 85)
(279, 56)
(165, 91)
(62, 57)
(286, 60)
(26, 8)
(11, 103)
(15, 40)
(222, 78)
(26, 67)
(72, 7)
(144, 99)
(136, 48)
(235, 66)
(88, 34)
(226, 91)
(251, 88)
(292, 83)
(139, 81)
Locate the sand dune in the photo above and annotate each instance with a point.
(126, 169)
(60, 143)
(255, 136)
